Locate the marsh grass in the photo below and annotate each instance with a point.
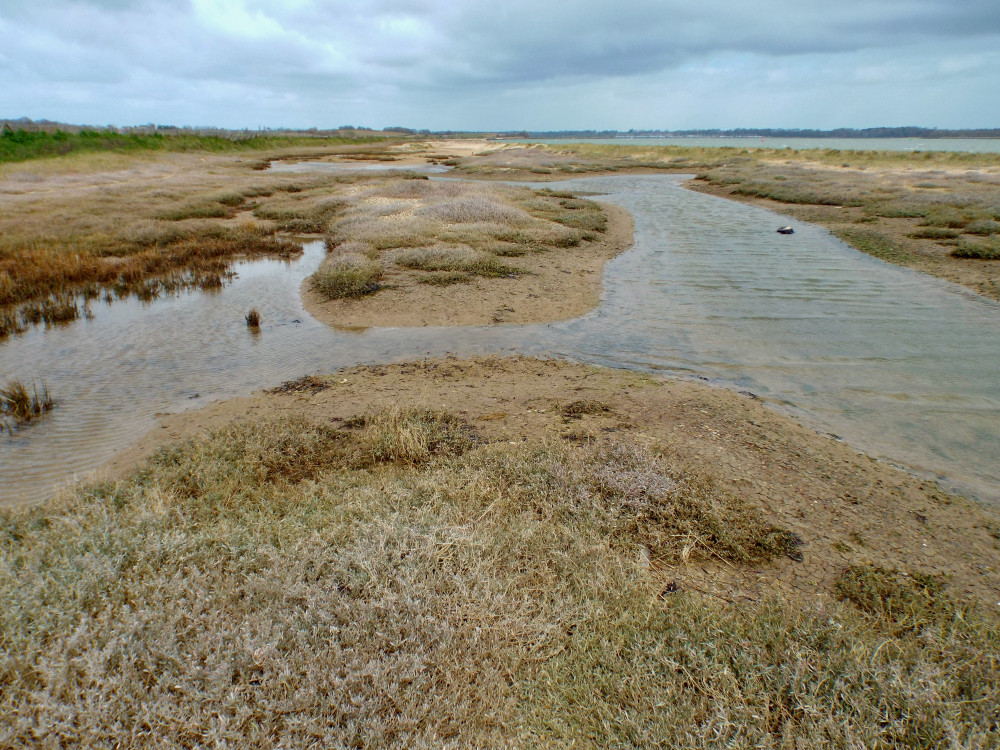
(398, 583)
(445, 278)
(138, 232)
(22, 145)
(20, 406)
(252, 318)
(984, 249)
(46, 283)
(935, 233)
(874, 243)
(451, 231)
(347, 275)
(982, 227)
(459, 258)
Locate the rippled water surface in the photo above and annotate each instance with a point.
(899, 364)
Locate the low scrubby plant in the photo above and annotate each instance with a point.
(935, 233)
(454, 259)
(445, 278)
(983, 227)
(252, 318)
(347, 275)
(986, 249)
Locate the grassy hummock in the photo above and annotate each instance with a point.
(398, 581)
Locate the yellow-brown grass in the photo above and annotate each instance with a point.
(398, 583)
(151, 223)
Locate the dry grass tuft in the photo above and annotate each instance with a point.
(577, 409)
(412, 436)
(444, 258)
(347, 275)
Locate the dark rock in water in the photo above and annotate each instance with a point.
(786, 230)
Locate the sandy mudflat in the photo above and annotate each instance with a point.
(846, 507)
(557, 285)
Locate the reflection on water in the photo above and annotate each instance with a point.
(897, 363)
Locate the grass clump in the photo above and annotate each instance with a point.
(577, 409)
(412, 436)
(20, 406)
(904, 602)
(983, 227)
(988, 249)
(454, 259)
(446, 591)
(935, 233)
(347, 275)
(200, 210)
(252, 318)
(445, 278)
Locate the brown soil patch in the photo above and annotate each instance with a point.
(846, 507)
(557, 285)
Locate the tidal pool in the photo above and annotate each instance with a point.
(901, 365)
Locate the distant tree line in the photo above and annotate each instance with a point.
(908, 131)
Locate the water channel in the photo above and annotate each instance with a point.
(899, 364)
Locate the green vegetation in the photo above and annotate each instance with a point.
(399, 582)
(874, 243)
(935, 233)
(988, 249)
(22, 145)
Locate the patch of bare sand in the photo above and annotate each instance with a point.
(846, 507)
(558, 285)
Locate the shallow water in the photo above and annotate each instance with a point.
(970, 145)
(899, 364)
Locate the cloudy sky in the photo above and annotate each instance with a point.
(504, 65)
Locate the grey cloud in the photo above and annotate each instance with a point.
(418, 56)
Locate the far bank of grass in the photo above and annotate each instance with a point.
(560, 556)
(23, 145)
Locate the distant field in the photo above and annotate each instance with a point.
(22, 145)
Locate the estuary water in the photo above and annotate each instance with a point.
(969, 145)
(899, 364)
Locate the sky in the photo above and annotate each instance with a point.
(506, 65)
